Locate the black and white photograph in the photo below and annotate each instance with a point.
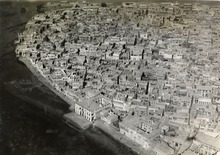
(110, 77)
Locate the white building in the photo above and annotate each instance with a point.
(90, 108)
(204, 101)
(139, 129)
(120, 102)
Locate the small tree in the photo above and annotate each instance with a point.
(46, 39)
(103, 5)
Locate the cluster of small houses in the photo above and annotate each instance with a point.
(157, 71)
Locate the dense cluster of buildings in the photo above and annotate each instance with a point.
(152, 68)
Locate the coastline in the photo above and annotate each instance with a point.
(116, 135)
(67, 117)
(45, 82)
(35, 103)
(74, 121)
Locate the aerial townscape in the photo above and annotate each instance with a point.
(148, 74)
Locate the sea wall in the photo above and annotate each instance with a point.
(41, 78)
(70, 118)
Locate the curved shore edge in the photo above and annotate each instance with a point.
(69, 118)
(42, 79)
(75, 121)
